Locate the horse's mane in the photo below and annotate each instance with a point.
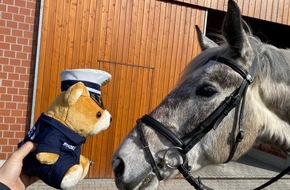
(273, 62)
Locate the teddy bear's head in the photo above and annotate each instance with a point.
(76, 109)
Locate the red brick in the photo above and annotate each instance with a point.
(23, 41)
(5, 31)
(6, 148)
(10, 39)
(11, 24)
(23, 26)
(31, 5)
(9, 2)
(20, 3)
(13, 9)
(14, 141)
(8, 134)
(24, 11)
(10, 105)
(19, 18)
(17, 98)
(4, 60)
(19, 84)
(4, 127)
(17, 33)
(10, 54)
(9, 120)
(8, 68)
(21, 55)
(21, 106)
(26, 63)
(3, 90)
(15, 47)
(20, 70)
(3, 156)
(7, 16)
(3, 23)
(28, 34)
(13, 76)
(1, 38)
(6, 97)
(14, 62)
(24, 78)
(3, 7)
(29, 19)
(17, 113)
(3, 141)
(20, 135)
(23, 91)
(5, 46)
(15, 127)
(12, 90)
(7, 83)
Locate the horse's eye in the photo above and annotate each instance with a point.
(206, 91)
(99, 114)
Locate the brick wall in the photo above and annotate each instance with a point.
(18, 38)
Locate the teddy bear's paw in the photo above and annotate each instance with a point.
(72, 177)
(85, 163)
(47, 158)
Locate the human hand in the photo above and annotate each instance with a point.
(11, 173)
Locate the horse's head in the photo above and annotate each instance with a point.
(205, 84)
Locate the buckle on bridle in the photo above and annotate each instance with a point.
(249, 78)
(165, 163)
(240, 135)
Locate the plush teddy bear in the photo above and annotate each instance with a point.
(59, 132)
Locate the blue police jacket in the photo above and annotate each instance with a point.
(52, 136)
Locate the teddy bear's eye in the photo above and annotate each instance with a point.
(99, 114)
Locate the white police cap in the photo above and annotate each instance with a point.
(93, 79)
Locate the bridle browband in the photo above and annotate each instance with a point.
(235, 100)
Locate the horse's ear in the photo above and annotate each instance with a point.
(204, 41)
(233, 30)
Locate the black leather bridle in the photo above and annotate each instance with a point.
(186, 143)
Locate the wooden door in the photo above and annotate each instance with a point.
(144, 45)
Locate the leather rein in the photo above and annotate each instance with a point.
(183, 145)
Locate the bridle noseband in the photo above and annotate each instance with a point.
(235, 100)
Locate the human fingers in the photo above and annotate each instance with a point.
(23, 151)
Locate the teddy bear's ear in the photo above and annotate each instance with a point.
(75, 92)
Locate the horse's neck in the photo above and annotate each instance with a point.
(275, 110)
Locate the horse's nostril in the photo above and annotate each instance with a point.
(118, 167)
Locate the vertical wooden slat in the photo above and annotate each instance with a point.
(269, 10)
(56, 38)
(288, 18)
(171, 46)
(251, 8)
(280, 11)
(245, 7)
(263, 13)
(274, 14)
(83, 34)
(257, 8)
(286, 12)
(77, 25)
